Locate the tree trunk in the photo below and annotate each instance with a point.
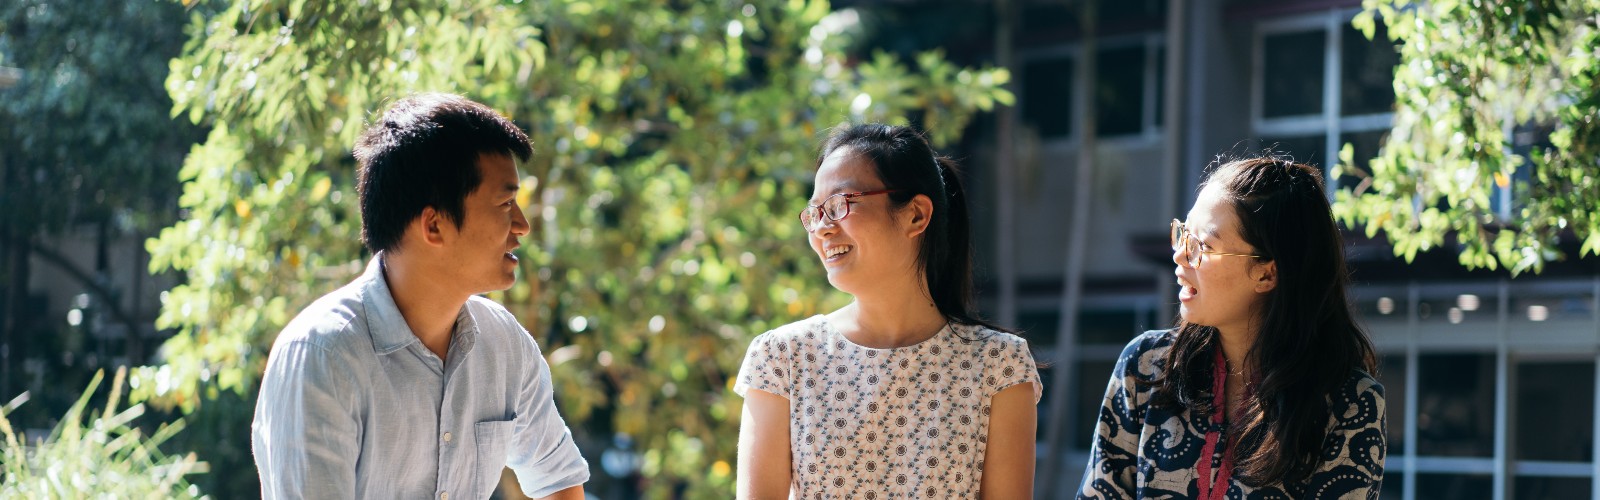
(135, 346)
(1005, 173)
(1077, 245)
(14, 275)
(102, 293)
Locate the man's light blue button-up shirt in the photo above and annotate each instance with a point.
(352, 405)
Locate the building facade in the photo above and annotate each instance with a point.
(1491, 380)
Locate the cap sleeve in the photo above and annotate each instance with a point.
(1011, 363)
(766, 366)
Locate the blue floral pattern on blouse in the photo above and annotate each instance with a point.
(1141, 451)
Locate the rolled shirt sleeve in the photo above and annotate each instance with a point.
(305, 433)
(543, 454)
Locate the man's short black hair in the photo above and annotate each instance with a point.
(423, 153)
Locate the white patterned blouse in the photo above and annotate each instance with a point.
(886, 423)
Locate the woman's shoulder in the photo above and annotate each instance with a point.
(1149, 342)
(991, 337)
(1143, 356)
(1358, 403)
(1360, 385)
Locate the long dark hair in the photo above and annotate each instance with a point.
(905, 162)
(1309, 341)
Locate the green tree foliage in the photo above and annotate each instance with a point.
(675, 142)
(88, 131)
(1469, 72)
(106, 456)
(87, 137)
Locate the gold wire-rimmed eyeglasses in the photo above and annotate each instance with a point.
(1192, 247)
(834, 208)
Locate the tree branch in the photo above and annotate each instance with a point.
(88, 280)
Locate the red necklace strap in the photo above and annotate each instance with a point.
(1219, 404)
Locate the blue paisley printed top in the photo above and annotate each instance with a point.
(1141, 451)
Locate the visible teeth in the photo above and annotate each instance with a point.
(1185, 284)
(838, 250)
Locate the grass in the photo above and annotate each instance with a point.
(98, 454)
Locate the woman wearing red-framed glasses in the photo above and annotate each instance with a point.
(904, 392)
(1265, 387)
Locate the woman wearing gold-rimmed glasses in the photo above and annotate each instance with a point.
(903, 393)
(1265, 387)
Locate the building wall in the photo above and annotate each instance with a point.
(1125, 200)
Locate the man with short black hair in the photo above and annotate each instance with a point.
(405, 383)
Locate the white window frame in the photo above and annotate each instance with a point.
(1150, 134)
(1331, 123)
(1405, 332)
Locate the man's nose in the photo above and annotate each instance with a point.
(519, 221)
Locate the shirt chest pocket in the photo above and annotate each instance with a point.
(492, 440)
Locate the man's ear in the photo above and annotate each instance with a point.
(1265, 276)
(430, 226)
(917, 215)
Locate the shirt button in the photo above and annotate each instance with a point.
(447, 439)
(444, 495)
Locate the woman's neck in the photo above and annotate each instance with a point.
(1236, 342)
(889, 322)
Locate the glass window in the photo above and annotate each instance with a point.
(1392, 374)
(1460, 308)
(1095, 327)
(1454, 487)
(1555, 412)
(1161, 85)
(1381, 307)
(1292, 73)
(1455, 406)
(1394, 484)
(1039, 326)
(1105, 327)
(1552, 487)
(1119, 91)
(1047, 374)
(1047, 92)
(1541, 307)
(1123, 12)
(1309, 149)
(1367, 72)
(1525, 140)
(1092, 379)
(1039, 18)
(1145, 320)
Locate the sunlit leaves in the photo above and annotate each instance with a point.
(674, 146)
(1478, 86)
(87, 136)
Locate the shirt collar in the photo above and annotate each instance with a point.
(388, 327)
